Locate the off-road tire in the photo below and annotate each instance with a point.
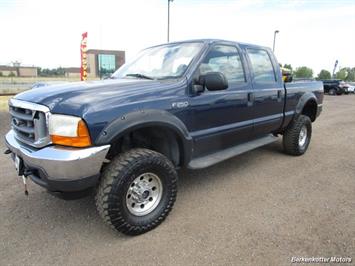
(115, 182)
(291, 136)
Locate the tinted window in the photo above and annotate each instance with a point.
(262, 66)
(224, 59)
(107, 64)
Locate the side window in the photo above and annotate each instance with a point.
(224, 59)
(262, 66)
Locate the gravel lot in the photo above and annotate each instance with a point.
(260, 208)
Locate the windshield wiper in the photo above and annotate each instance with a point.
(141, 76)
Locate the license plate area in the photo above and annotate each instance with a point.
(18, 165)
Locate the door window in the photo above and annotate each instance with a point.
(262, 66)
(224, 59)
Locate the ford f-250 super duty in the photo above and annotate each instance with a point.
(185, 104)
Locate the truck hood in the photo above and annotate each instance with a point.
(78, 98)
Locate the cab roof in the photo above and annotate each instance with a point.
(212, 41)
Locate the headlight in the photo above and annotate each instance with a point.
(69, 131)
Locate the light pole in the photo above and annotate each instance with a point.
(169, 17)
(273, 47)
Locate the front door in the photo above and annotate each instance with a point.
(221, 119)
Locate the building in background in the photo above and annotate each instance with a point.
(24, 71)
(18, 71)
(102, 63)
(7, 71)
(72, 72)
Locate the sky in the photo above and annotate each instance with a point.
(46, 33)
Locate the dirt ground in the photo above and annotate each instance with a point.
(261, 208)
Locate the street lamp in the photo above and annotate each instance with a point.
(273, 47)
(169, 17)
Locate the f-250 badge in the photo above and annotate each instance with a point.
(180, 104)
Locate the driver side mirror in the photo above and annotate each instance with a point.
(214, 81)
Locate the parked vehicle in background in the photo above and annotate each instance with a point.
(335, 87)
(46, 83)
(350, 88)
(187, 104)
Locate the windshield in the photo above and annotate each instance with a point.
(161, 62)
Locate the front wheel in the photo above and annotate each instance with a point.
(297, 136)
(137, 191)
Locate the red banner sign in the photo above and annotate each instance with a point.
(83, 55)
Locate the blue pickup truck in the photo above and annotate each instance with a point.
(186, 104)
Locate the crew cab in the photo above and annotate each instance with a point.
(187, 104)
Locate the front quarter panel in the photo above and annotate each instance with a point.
(147, 118)
(140, 119)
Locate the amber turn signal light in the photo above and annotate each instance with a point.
(81, 140)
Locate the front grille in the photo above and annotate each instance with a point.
(29, 121)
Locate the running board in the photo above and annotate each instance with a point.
(228, 153)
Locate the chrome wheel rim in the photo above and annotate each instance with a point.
(303, 136)
(144, 194)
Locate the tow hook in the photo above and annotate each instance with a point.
(7, 151)
(24, 179)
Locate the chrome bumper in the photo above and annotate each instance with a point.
(60, 163)
(319, 109)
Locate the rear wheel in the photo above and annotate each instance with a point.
(297, 136)
(137, 191)
(332, 92)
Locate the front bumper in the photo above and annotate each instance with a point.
(58, 168)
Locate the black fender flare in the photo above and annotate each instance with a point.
(305, 98)
(146, 118)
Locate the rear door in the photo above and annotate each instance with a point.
(268, 91)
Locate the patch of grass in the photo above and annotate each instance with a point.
(4, 103)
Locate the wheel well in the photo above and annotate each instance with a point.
(310, 110)
(158, 138)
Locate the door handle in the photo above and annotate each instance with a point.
(279, 95)
(250, 98)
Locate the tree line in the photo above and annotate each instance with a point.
(46, 72)
(303, 72)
